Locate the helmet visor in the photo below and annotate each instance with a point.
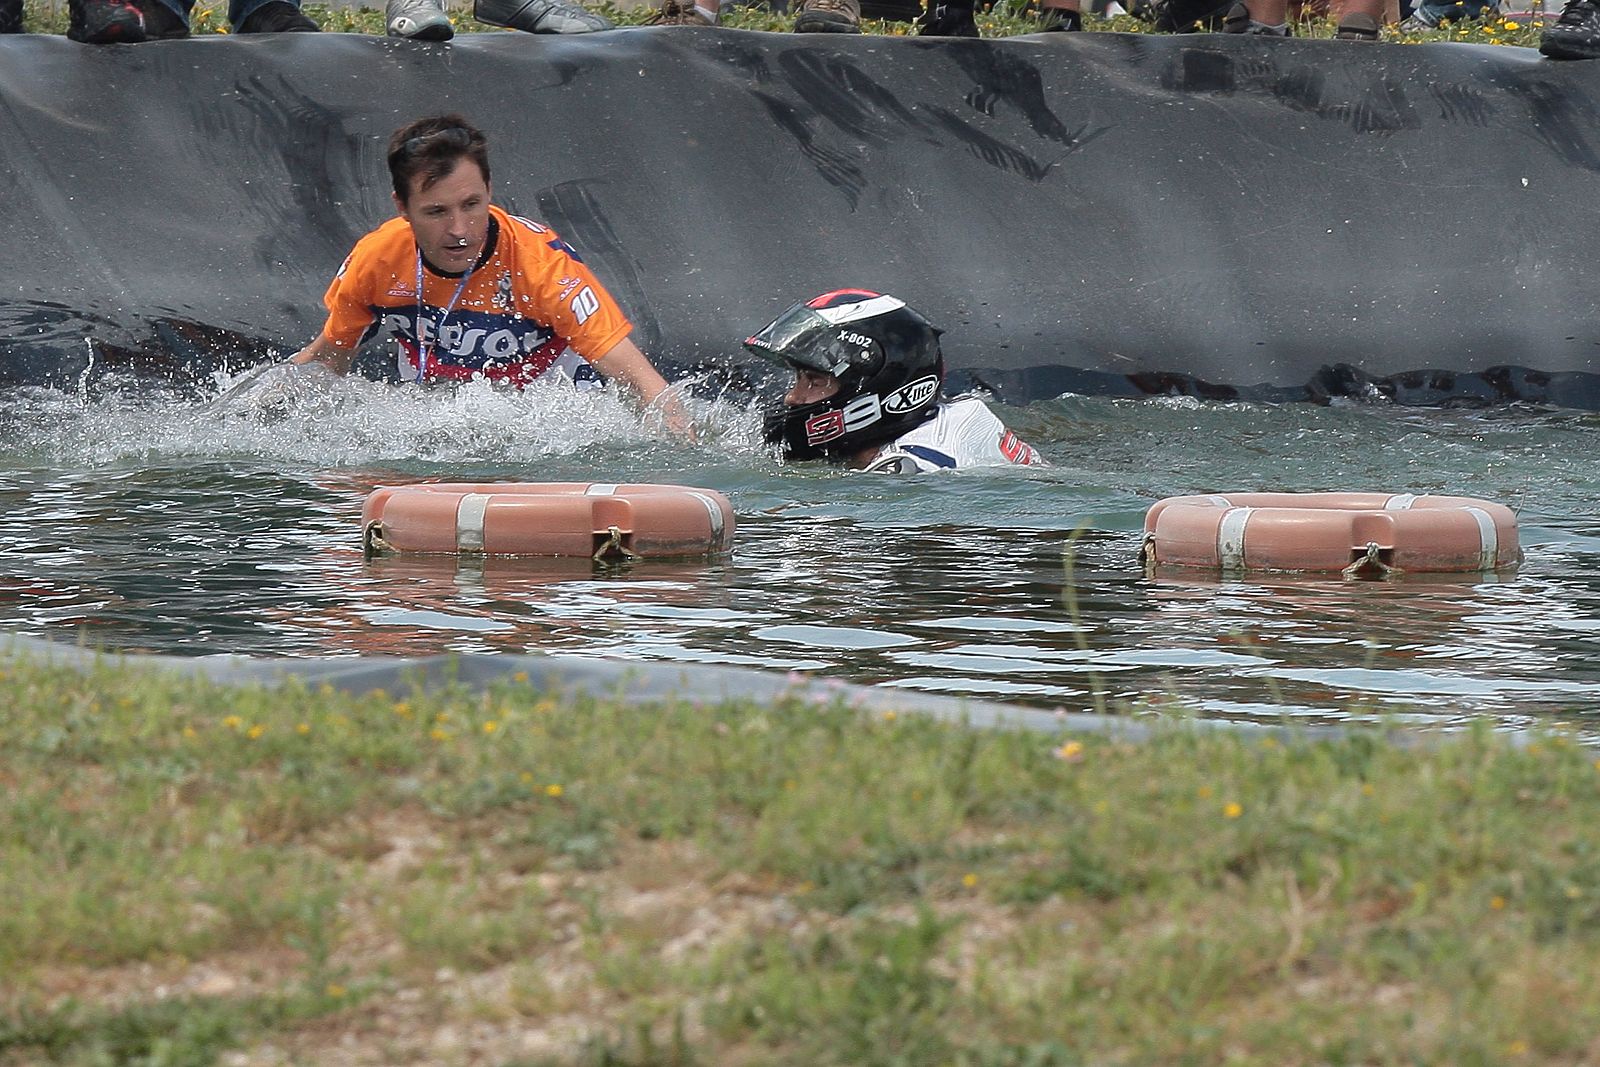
(801, 338)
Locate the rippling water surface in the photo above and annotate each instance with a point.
(155, 522)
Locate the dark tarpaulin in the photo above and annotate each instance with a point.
(1101, 213)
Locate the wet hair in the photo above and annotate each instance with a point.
(432, 147)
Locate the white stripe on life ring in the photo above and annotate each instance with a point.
(1488, 538)
(602, 489)
(714, 511)
(469, 521)
(1230, 538)
(1402, 502)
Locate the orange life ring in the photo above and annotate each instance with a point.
(547, 519)
(1346, 532)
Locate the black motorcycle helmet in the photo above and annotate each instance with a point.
(885, 355)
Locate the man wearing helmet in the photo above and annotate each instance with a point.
(868, 391)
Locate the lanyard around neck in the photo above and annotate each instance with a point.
(425, 348)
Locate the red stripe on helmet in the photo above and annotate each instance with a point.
(841, 296)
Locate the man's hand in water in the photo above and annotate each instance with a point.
(272, 392)
(327, 353)
(626, 364)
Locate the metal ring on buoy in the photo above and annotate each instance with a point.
(1331, 532)
(599, 520)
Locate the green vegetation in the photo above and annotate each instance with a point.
(192, 872)
(996, 21)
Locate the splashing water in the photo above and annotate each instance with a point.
(186, 525)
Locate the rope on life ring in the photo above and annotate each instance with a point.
(1347, 533)
(603, 521)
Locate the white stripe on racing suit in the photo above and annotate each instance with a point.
(965, 433)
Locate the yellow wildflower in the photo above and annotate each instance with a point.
(1232, 810)
(490, 727)
(552, 790)
(969, 879)
(303, 729)
(233, 722)
(255, 731)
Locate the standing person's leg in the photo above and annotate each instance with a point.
(1265, 18)
(165, 20)
(10, 16)
(269, 16)
(1360, 20)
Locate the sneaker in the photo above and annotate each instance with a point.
(678, 13)
(11, 16)
(1356, 26)
(418, 20)
(104, 22)
(829, 16)
(161, 23)
(947, 20)
(1418, 21)
(1238, 20)
(539, 16)
(278, 16)
(1576, 34)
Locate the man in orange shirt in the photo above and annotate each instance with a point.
(470, 291)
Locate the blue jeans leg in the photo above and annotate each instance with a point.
(1437, 11)
(239, 10)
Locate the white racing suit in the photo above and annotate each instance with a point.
(965, 433)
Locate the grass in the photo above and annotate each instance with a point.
(996, 21)
(194, 872)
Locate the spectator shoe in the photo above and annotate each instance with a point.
(539, 16)
(678, 13)
(947, 20)
(1576, 34)
(1238, 20)
(829, 16)
(104, 22)
(279, 16)
(419, 20)
(1356, 26)
(161, 23)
